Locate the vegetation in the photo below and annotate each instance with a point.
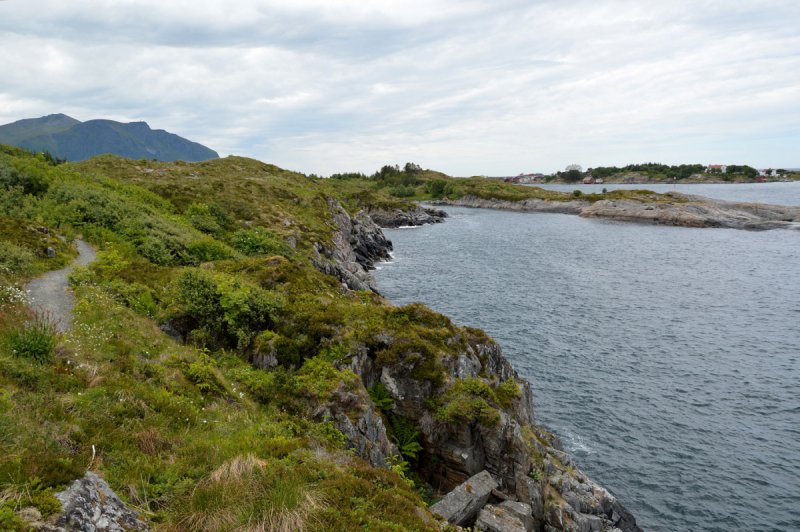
(191, 434)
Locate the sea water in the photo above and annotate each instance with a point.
(667, 358)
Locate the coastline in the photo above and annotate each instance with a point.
(684, 210)
(560, 496)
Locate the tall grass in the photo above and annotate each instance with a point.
(247, 494)
(31, 334)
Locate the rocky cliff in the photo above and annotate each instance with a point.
(356, 244)
(475, 415)
(686, 210)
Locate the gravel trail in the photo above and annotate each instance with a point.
(51, 291)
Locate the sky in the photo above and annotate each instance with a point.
(494, 87)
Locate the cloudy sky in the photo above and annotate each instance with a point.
(492, 87)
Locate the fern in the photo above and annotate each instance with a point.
(381, 397)
(406, 436)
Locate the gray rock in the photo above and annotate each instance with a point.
(497, 519)
(461, 505)
(89, 505)
(521, 511)
(410, 218)
(588, 523)
(536, 497)
(51, 252)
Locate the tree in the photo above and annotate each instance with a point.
(573, 176)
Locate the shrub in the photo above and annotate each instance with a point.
(81, 275)
(226, 307)
(207, 249)
(10, 522)
(259, 241)
(506, 392)
(29, 334)
(110, 263)
(199, 215)
(577, 193)
(156, 252)
(14, 258)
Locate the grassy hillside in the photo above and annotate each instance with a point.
(192, 435)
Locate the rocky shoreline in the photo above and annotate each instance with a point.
(687, 211)
(536, 485)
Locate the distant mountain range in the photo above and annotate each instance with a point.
(67, 138)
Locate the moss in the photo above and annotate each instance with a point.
(469, 400)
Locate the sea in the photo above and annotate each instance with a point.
(666, 358)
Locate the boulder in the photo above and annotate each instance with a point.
(89, 505)
(521, 511)
(461, 505)
(497, 519)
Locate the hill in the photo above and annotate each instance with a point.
(231, 365)
(67, 138)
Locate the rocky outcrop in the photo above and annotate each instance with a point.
(89, 505)
(528, 205)
(461, 505)
(527, 465)
(410, 218)
(356, 244)
(698, 211)
(686, 210)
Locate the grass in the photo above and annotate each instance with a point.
(192, 435)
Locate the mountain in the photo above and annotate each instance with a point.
(65, 137)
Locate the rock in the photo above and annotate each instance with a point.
(357, 243)
(588, 523)
(292, 241)
(553, 516)
(461, 505)
(497, 519)
(89, 505)
(521, 511)
(687, 210)
(529, 205)
(411, 218)
(51, 252)
(536, 498)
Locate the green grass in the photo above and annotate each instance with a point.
(192, 435)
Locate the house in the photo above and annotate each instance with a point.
(717, 168)
(588, 180)
(769, 172)
(598, 181)
(761, 179)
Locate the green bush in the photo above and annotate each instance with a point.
(156, 252)
(14, 258)
(10, 522)
(207, 249)
(577, 193)
(260, 241)
(199, 215)
(229, 309)
(506, 392)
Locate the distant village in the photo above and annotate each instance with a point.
(653, 173)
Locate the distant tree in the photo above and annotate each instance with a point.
(573, 176)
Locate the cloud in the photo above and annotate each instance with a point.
(468, 88)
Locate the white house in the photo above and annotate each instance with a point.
(713, 168)
(769, 172)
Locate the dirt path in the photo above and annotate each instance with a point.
(51, 291)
